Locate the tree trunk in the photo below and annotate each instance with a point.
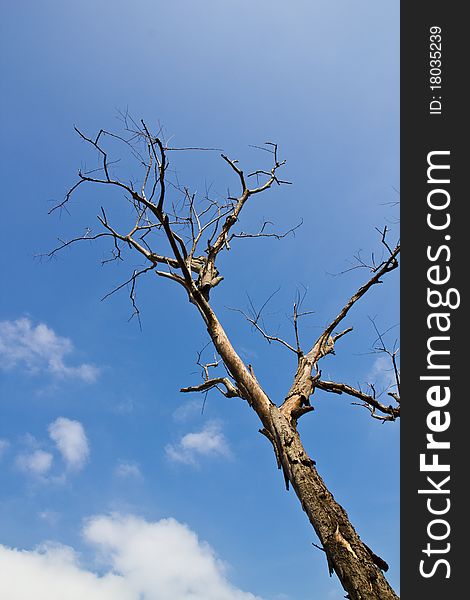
(346, 554)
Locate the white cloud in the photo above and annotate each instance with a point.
(71, 441)
(208, 442)
(53, 572)
(140, 560)
(126, 469)
(36, 463)
(39, 348)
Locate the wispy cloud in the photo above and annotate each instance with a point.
(4, 444)
(51, 517)
(210, 441)
(71, 441)
(37, 463)
(39, 349)
(141, 559)
(128, 469)
(125, 407)
(381, 373)
(188, 410)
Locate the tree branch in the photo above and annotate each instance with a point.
(231, 391)
(303, 385)
(340, 388)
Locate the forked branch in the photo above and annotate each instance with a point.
(304, 384)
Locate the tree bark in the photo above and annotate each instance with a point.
(352, 561)
(347, 556)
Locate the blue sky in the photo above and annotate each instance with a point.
(97, 445)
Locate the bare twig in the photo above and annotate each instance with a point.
(255, 318)
(393, 354)
(131, 280)
(370, 400)
(262, 234)
(230, 390)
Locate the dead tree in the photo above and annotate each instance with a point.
(194, 235)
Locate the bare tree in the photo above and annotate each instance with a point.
(195, 232)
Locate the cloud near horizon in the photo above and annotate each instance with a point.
(39, 349)
(140, 560)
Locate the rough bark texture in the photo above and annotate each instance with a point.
(347, 556)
